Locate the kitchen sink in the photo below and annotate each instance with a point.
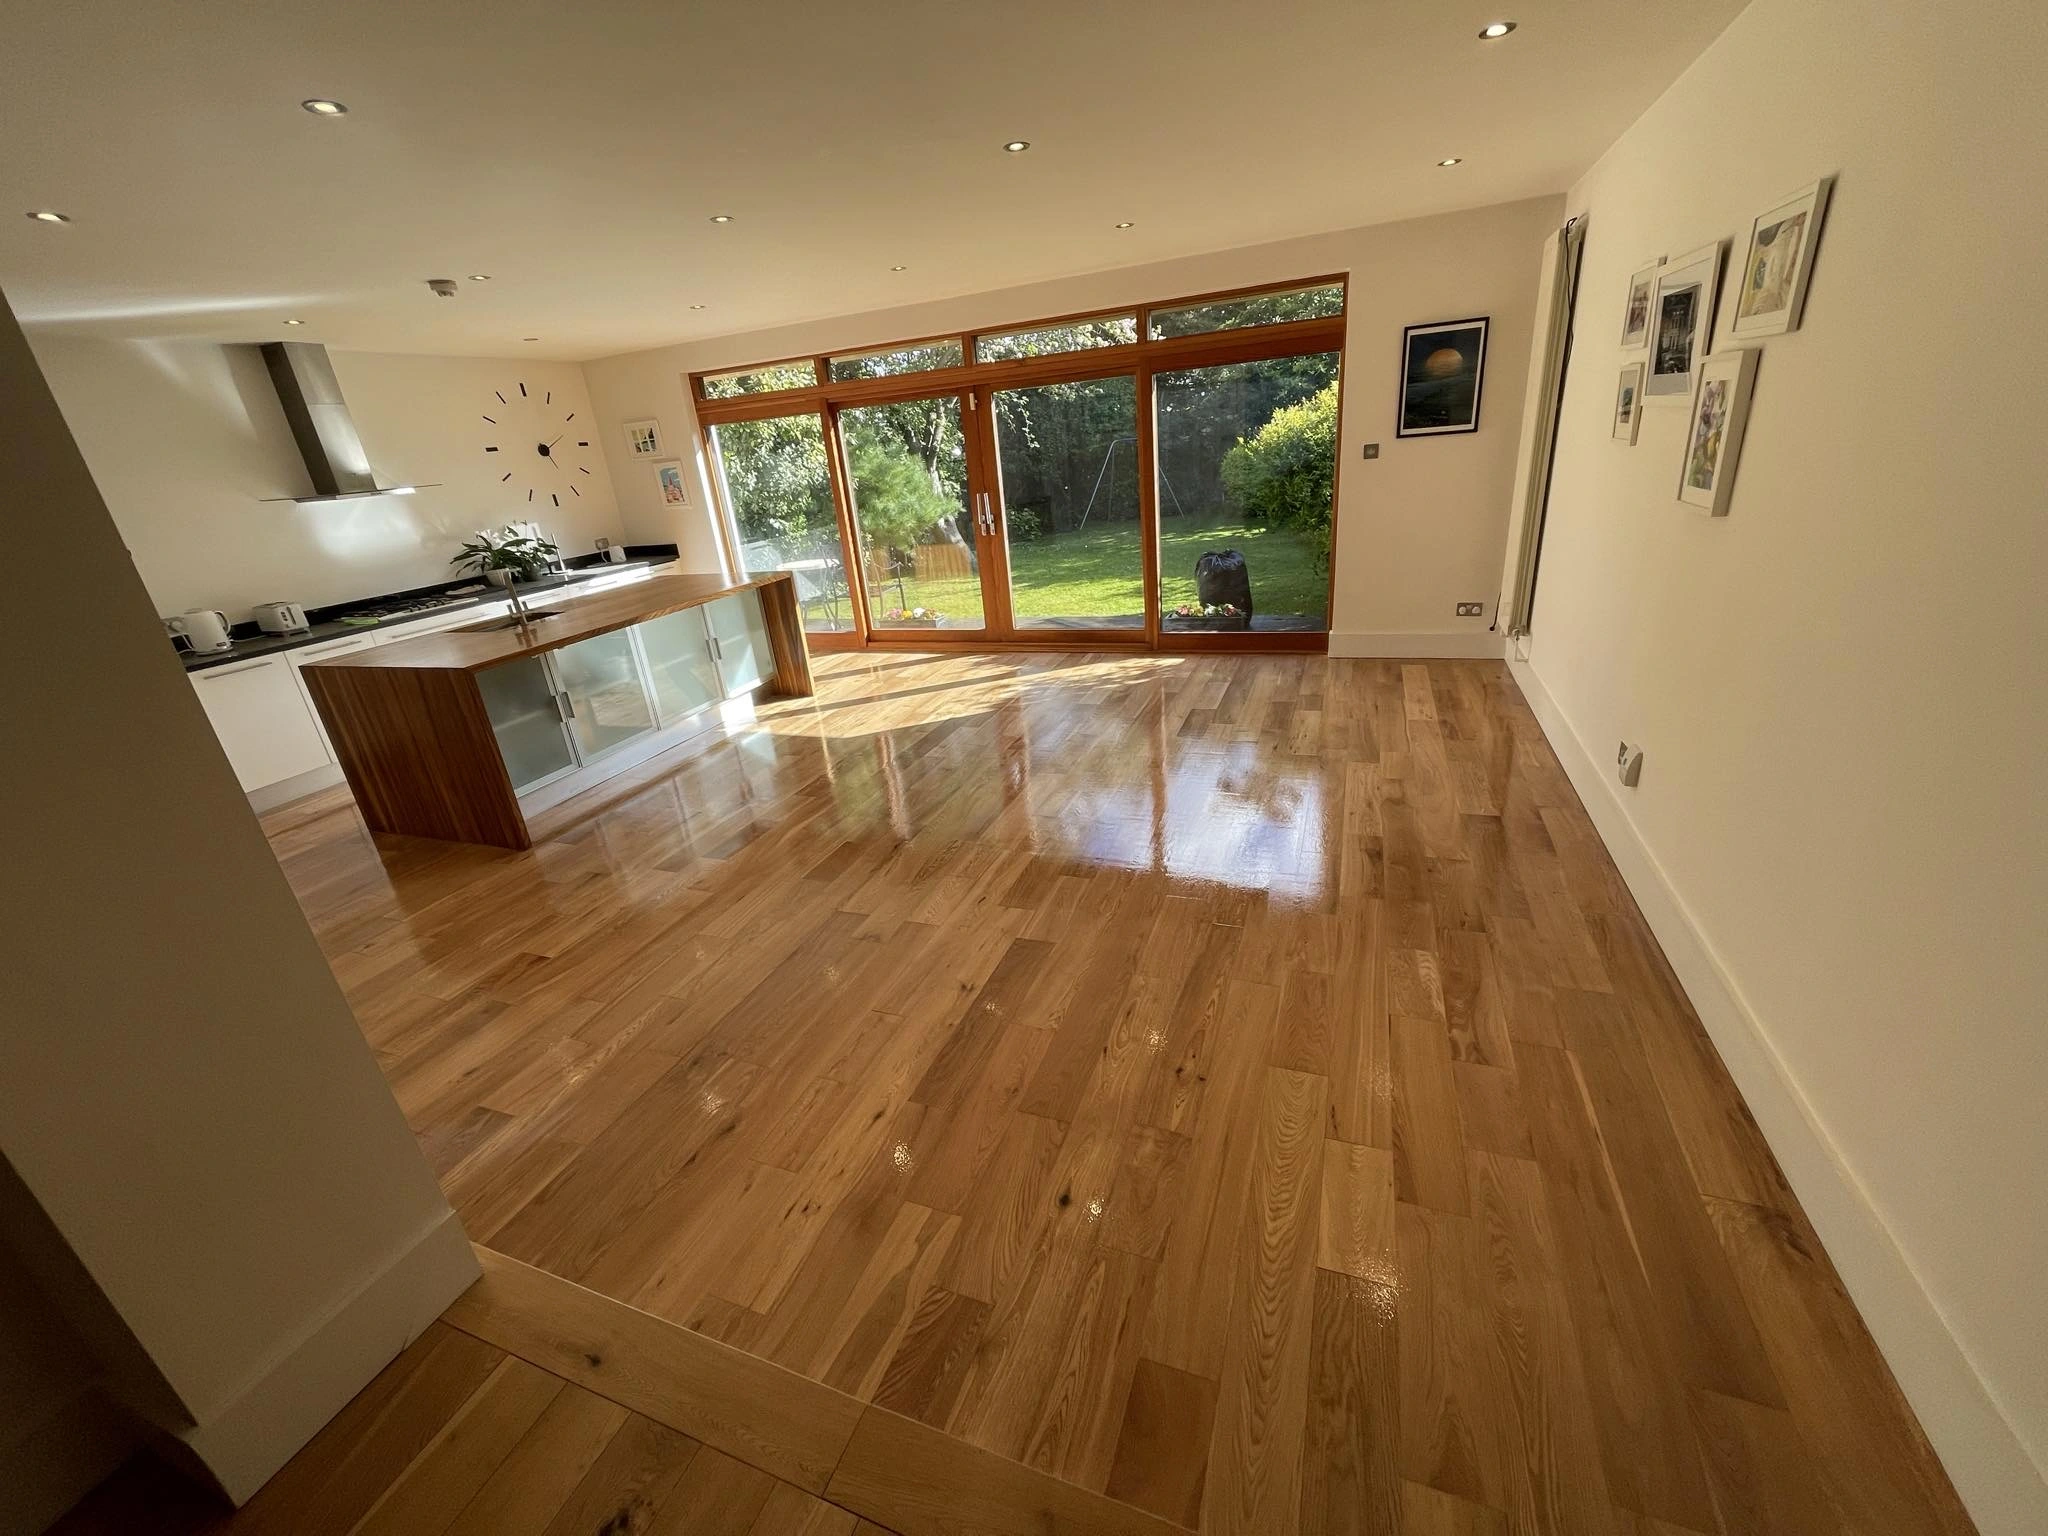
(513, 620)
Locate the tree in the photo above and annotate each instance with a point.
(1285, 472)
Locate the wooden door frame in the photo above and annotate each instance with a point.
(974, 383)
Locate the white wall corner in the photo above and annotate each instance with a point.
(2005, 1491)
(242, 1447)
(1418, 645)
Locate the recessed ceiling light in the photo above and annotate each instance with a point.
(479, 277)
(295, 322)
(1454, 160)
(721, 218)
(1126, 224)
(1494, 29)
(320, 106)
(49, 216)
(1017, 146)
(899, 269)
(696, 306)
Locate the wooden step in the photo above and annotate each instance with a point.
(896, 1472)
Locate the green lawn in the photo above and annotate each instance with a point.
(1098, 572)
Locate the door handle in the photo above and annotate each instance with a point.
(988, 515)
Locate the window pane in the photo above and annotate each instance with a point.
(1073, 336)
(892, 360)
(1247, 463)
(775, 480)
(908, 467)
(759, 381)
(1255, 309)
(1069, 460)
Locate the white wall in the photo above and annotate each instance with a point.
(1840, 684)
(1418, 530)
(184, 1094)
(185, 439)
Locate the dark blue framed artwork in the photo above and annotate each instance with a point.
(1443, 366)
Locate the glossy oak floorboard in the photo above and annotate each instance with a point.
(1239, 1085)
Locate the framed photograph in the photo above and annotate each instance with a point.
(643, 439)
(1772, 289)
(1713, 437)
(668, 476)
(1682, 320)
(1635, 313)
(1442, 368)
(1628, 404)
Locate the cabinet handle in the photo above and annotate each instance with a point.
(208, 673)
(565, 707)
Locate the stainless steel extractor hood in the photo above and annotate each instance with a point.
(321, 425)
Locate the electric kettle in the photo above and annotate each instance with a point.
(204, 629)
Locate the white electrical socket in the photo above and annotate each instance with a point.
(1628, 764)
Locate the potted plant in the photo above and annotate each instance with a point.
(913, 618)
(1210, 616)
(506, 555)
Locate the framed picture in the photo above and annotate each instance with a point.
(1772, 288)
(643, 439)
(668, 475)
(1635, 314)
(1713, 437)
(1682, 320)
(1628, 404)
(1442, 368)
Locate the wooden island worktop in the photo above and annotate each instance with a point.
(431, 732)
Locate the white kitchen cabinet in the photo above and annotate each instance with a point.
(739, 639)
(321, 652)
(261, 716)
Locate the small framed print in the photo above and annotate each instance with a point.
(1713, 436)
(643, 439)
(1442, 369)
(1628, 404)
(1635, 313)
(1682, 320)
(1772, 289)
(668, 478)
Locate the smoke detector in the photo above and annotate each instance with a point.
(443, 287)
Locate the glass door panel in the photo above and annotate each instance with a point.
(607, 700)
(680, 664)
(776, 482)
(906, 463)
(1067, 462)
(1247, 464)
(520, 699)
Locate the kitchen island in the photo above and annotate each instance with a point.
(462, 734)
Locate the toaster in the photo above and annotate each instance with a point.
(281, 618)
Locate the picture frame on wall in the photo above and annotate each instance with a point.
(1443, 369)
(643, 439)
(1635, 310)
(668, 479)
(1628, 404)
(1682, 321)
(1713, 434)
(1770, 292)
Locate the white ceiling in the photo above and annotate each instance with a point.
(576, 153)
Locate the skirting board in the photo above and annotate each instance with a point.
(284, 791)
(1999, 1482)
(243, 1446)
(1419, 644)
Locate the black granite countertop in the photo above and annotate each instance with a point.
(341, 620)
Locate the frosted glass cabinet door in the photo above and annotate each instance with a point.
(607, 701)
(520, 700)
(740, 637)
(679, 664)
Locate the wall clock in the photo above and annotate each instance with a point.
(537, 446)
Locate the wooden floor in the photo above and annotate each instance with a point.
(1239, 1085)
